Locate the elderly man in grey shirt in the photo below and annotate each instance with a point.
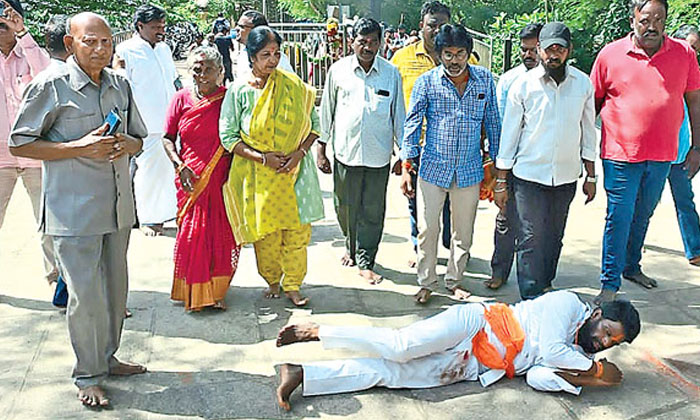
(88, 206)
(362, 114)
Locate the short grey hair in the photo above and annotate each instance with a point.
(205, 53)
(685, 31)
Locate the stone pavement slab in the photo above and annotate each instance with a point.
(219, 365)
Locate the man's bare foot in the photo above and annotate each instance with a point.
(412, 263)
(494, 283)
(642, 280)
(371, 276)
(605, 295)
(291, 376)
(127, 313)
(220, 304)
(127, 369)
(93, 396)
(296, 298)
(695, 261)
(297, 334)
(272, 291)
(422, 296)
(347, 261)
(459, 293)
(152, 230)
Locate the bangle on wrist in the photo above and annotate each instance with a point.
(598, 370)
(303, 151)
(264, 160)
(21, 33)
(499, 190)
(407, 164)
(180, 167)
(501, 181)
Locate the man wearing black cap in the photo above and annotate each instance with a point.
(504, 235)
(548, 131)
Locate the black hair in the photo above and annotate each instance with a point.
(531, 30)
(147, 13)
(55, 30)
(258, 38)
(366, 26)
(256, 17)
(623, 311)
(15, 4)
(639, 5)
(685, 31)
(434, 8)
(453, 36)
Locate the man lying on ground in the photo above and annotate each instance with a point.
(551, 340)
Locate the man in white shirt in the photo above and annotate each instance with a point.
(149, 67)
(548, 132)
(551, 340)
(252, 19)
(362, 115)
(506, 220)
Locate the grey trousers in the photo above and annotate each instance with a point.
(95, 271)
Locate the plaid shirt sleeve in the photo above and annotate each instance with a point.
(414, 119)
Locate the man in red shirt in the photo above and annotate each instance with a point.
(640, 82)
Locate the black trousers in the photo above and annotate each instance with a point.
(542, 212)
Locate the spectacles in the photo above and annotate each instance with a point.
(448, 56)
(241, 25)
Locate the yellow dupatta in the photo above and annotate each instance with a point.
(258, 200)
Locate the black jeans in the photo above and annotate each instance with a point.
(504, 237)
(542, 212)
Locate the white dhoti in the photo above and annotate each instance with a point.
(154, 183)
(432, 352)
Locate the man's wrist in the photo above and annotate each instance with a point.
(22, 32)
(695, 148)
(592, 178)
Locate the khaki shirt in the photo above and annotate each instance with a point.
(80, 196)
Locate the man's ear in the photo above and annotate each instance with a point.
(68, 43)
(632, 22)
(596, 314)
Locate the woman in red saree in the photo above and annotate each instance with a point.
(206, 254)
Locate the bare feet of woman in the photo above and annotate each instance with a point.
(272, 292)
(296, 298)
(127, 369)
(220, 304)
(93, 396)
(371, 276)
(459, 293)
(127, 313)
(297, 334)
(152, 230)
(291, 376)
(347, 261)
(422, 296)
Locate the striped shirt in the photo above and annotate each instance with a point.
(452, 151)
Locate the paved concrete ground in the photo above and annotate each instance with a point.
(218, 365)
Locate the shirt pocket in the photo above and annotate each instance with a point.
(478, 106)
(380, 101)
(74, 121)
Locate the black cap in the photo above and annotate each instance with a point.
(555, 33)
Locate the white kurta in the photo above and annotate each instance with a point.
(152, 74)
(437, 351)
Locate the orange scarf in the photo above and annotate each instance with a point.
(508, 331)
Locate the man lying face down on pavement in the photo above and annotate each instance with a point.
(551, 340)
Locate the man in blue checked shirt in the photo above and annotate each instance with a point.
(456, 100)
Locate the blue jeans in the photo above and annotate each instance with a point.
(413, 213)
(688, 220)
(633, 190)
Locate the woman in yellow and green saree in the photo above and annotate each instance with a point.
(272, 194)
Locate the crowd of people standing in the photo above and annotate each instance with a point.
(105, 135)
